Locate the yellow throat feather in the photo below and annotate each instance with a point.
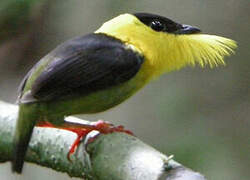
(166, 52)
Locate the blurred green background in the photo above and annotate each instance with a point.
(202, 116)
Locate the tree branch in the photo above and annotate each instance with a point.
(115, 156)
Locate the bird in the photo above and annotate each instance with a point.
(95, 72)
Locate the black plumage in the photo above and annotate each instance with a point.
(163, 24)
(83, 65)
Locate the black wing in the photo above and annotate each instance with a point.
(83, 65)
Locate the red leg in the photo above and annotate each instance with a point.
(106, 128)
(83, 129)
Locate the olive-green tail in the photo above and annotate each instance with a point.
(27, 118)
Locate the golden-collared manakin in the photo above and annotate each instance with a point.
(95, 72)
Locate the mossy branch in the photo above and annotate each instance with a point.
(116, 156)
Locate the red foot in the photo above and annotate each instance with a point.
(80, 133)
(45, 124)
(101, 126)
(106, 128)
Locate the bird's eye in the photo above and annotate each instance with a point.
(157, 25)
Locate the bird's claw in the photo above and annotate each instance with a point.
(102, 127)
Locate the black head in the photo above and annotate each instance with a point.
(162, 24)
